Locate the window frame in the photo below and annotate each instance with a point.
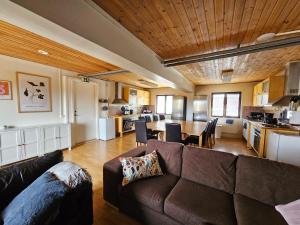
(225, 104)
(165, 104)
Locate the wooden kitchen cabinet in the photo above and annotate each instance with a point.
(136, 97)
(268, 91)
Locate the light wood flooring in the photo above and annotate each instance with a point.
(94, 154)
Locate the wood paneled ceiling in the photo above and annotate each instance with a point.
(20, 43)
(177, 28)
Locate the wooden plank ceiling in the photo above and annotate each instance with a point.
(177, 28)
(20, 43)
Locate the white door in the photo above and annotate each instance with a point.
(85, 122)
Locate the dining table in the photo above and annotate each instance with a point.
(187, 128)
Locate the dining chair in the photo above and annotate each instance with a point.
(174, 134)
(148, 119)
(162, 117)
(213, 133)
(142, 118)
(155, 117)
(205, 137)
(142, 133)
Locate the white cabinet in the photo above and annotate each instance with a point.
(284, 148)
(23, 143)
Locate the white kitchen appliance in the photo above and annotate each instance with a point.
(107, 128)
(294, 117)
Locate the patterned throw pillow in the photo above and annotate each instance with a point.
(135, 168)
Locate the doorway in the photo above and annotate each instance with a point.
(84, 127)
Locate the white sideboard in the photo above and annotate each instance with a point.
(26, 142)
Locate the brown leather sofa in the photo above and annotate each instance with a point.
(202, 186)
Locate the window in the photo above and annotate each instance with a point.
(164, 104)
(227, 104)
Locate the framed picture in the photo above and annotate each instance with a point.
(34, 93)
(5, 90)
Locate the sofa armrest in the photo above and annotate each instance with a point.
(112, 175)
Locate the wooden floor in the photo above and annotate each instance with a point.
(94, 154)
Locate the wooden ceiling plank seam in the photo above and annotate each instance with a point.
(256, 15)
(193, 21)
(228, 19)
(237, 15)
(210, 20)
(181, 32)
(25, 46)
(12, 52)
(158, 35)
(27, 36)
(247, 14)
(183, 16)
(294, 17)
(130, 24)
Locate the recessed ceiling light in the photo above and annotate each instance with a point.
(42, 52)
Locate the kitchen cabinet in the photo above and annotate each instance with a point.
(268, 91)
(136, 97)
(284, 147)
(23, 143)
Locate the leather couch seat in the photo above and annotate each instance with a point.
(191, 203)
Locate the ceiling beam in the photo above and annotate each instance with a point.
(83, 25)
(283, 43)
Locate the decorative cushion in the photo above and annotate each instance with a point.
(290, 212)
(70, 173)
(135, 168)
(39, 203)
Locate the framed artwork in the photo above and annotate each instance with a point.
(5, 90)
(34, 93)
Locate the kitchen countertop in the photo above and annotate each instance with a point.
(261, 125)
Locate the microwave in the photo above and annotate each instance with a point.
(294, 117)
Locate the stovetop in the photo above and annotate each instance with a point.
(275, 125)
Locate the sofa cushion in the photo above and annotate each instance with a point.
(191, 203)
(39, 203)
(15, 178)
(267, 181)
(150, 192)
(170, 155)
(249, 212)
(135, 168)
(211, 168)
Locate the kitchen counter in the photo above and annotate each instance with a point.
(264, 135)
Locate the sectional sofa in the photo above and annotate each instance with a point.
(202, 186)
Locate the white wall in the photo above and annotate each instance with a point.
(9, 108)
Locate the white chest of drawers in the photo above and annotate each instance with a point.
(26, 142)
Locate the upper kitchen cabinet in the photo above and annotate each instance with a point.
(268, 91)
(136, 97)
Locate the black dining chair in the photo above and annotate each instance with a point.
(206, 134)
(162, 117)
(213, 132)
(142, 118)
(148, 119)
(142, 133)
(155, 117)
(174, 134)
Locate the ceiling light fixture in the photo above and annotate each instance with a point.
(42, 52)
(226, 75)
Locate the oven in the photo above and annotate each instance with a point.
(256, 141)
(128, 124)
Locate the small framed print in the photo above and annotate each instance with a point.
(5, 90)
(34, 93)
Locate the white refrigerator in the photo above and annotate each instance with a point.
(107, 128)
